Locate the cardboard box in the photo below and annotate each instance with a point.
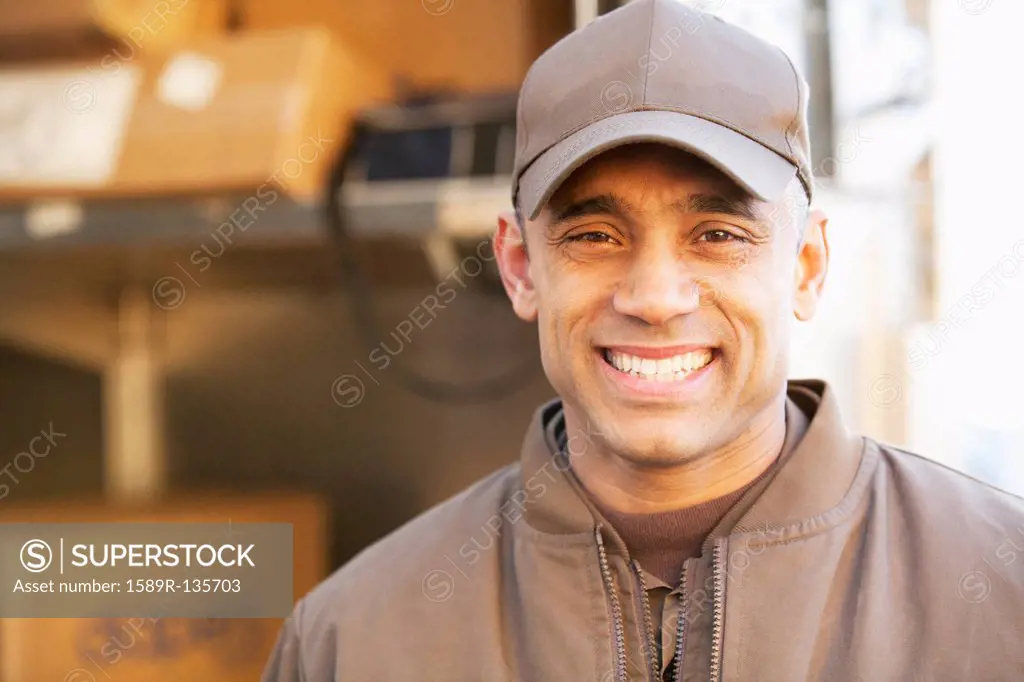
(464, 45)
(168, 649)
(67, 28)
(264, 109)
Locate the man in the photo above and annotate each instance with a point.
(681, 513)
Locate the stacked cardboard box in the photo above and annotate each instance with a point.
(465, 45)
(73, 28)
(178, 106)
(239, 112)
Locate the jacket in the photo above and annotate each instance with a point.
(854, 561)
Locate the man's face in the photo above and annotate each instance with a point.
(664, 297)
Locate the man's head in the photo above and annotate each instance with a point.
(663, 255)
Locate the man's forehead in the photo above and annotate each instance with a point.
(624, 173)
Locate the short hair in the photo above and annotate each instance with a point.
(796, 203)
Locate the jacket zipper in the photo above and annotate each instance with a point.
(718, 625)
(618, 627)
(651, 654)
(677, 668)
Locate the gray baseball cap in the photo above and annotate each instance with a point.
(662, 71)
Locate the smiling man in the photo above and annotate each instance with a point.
(681, 511)
(664, 294)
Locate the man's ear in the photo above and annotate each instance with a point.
(811, 266)
(514, 265)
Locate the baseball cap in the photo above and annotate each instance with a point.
(662, 71)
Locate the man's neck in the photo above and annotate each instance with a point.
(625, 487)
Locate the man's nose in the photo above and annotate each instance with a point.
(657, 288)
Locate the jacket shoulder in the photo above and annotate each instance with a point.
(950, 511)
(390, 589)
(955, 546)
(944, 485)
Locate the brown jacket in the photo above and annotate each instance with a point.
(855, 561)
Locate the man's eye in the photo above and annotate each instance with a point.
(719, 236)
(590, 237)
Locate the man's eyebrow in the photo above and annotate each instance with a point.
(601, 204)
(742, 207)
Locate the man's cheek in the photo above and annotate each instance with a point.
(755, 317)
(550, 354)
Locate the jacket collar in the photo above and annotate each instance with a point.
(814, 480)
(823, 476)
(555, 503)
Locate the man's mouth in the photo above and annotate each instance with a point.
(662, 367)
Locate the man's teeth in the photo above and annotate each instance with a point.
(663, 369)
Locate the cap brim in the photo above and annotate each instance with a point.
(754, 167)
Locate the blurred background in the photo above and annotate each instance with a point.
(245, 272)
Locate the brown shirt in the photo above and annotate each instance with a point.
(662, 542)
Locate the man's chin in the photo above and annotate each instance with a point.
(659, 455)
(646, 437)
